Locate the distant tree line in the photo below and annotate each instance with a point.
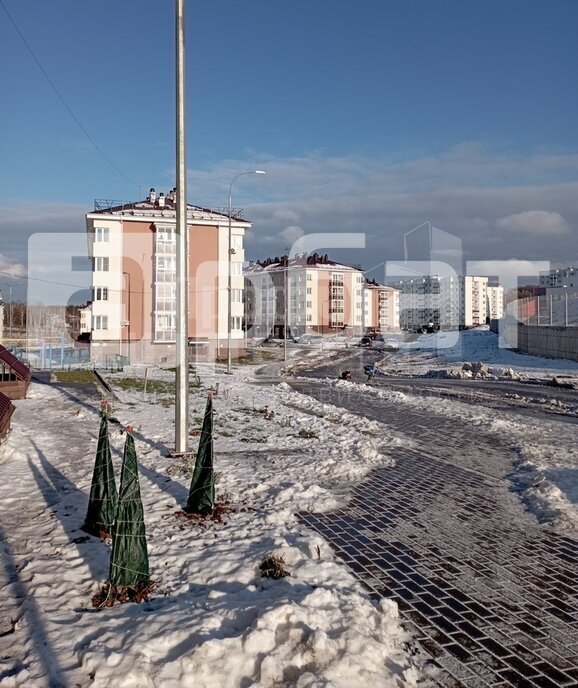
(40, 318)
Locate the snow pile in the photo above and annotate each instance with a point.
(475, 371)
(551, 492)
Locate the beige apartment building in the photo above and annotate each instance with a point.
(132, 247)
(303, 295)
(315, 295)
(381, 311)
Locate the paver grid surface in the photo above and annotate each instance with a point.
(489, 594)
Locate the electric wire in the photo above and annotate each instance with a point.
(63, 101)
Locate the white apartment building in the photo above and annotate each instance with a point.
(306, 294)
(560, 278)
(496, 304)
(419, 302)
(132, 247)
(85, 319)
(448, 302)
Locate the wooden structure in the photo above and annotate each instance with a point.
(14, 375)
(6, 411)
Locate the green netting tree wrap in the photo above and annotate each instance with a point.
(129, 562)
(103, 499)
(201, 498)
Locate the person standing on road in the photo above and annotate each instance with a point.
(369, 370)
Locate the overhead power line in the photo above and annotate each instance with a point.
(63, 101)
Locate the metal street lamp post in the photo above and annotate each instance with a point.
(229, 267)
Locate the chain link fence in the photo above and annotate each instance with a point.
(560, 310)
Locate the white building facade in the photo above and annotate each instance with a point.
(560, 278)
(448, 303)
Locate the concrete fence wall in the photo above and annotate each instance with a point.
(544, 340)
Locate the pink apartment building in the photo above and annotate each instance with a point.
(133, 251)
(312, 294)
(315, 295)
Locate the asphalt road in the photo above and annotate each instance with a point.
(531, 399)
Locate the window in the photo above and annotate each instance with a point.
(236, 322)
(236, 296)
(100, 293)
(165, 322)
(309, 318)
(309, 304)
(101, 234)
(100, 264)
(100, 322)
(309, 290)
(309, 277)
(236, 241)
(236, 268)
(166, 235)
(166, 262)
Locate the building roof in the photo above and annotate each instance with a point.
(301, 261)
(374, 284)
(160, 205)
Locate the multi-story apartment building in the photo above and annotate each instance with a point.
(133, 251)
(560, 278)
(381, 307)
(448, 302)
(495, 301)
(419, 302)
(308, 294)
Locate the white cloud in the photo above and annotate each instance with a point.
(534, 222)
(510, 273)
(10, 269)
(500, 206)
(290, 234)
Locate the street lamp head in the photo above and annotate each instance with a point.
(260, 172)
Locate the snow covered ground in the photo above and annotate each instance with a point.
(448, 351)
(547, 472)
(213, 620)
(444, 354)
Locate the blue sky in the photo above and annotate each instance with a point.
(372, 116)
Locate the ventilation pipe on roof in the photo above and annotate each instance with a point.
(161, 200)
(152, 196)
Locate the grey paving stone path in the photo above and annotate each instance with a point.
(487, 592)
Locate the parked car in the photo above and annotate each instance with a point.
(365, 342)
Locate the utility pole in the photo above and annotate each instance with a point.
(181, 345)
(286, 300)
